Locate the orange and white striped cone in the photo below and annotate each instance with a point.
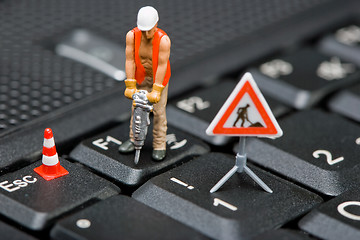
(50, 167)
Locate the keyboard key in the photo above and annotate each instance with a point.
(194, 112)
(345, 43)
(11, 233)
(347, 103)
(121, 217)
(283, 234)
(33, 202)
(318, 150)
(101, 154)
(240, 204)
(303, 78)
(337, 219)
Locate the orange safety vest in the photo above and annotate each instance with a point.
(140, 70)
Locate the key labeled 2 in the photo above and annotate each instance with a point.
(321, 148)
(328, 156)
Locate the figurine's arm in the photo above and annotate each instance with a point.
(164, 55)
(130, 82)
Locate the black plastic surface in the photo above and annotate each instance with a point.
(101, 154)
(313, 77)
(40, 89)
(256, 210)
(36, 204)
(347, 103)
(283, 234)
(135, 221)
(334, 220)
(11, 233)
(294, 154)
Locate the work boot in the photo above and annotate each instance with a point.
(127, 147)
(158, 155)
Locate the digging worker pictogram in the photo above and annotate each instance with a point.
(243, 115)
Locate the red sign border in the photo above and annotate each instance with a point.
(248, 86)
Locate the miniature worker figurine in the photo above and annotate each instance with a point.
(147, 67)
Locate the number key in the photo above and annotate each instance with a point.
(183, 193)
(318, 149)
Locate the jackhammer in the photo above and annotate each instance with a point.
(141, 120)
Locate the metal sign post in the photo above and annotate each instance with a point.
(244, 103)
(240, 166)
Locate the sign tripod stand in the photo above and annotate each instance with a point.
(240, 166)
(244, 103)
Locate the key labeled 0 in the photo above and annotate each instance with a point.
(17, 184)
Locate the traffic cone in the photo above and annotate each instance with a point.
(50, 167)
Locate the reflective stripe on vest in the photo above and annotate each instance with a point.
(140, 70)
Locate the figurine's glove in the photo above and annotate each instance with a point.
(154, 95)
(130, 88)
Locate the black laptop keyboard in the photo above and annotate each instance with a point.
(61, 66)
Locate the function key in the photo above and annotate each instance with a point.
(101, 154)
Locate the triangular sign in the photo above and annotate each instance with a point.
(245, 113)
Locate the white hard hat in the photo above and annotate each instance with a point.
(147, 18)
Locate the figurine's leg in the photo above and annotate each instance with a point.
(237, 119)
(160, 126)
(128, 145)
(160, 122)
